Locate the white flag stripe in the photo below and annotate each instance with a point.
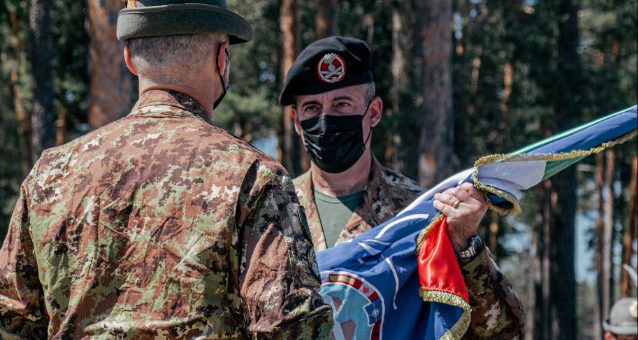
(522, 174)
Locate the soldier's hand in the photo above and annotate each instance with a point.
(464, 207)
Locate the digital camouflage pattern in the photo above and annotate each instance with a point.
(159, 225)
(497, 312)
(387, 193)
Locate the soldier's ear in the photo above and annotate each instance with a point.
(128, 60)
(295, 119)
(376, 109)
(223, 56)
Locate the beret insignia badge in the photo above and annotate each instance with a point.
(331, 68)
(129, 4)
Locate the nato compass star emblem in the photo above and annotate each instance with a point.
(331, 68)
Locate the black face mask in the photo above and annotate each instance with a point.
(335, 143)
(224, 85)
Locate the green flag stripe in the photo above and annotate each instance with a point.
(554, 167)
(567, 133)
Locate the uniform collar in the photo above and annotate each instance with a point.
(372, 210)
(171, 98)
(369, 213)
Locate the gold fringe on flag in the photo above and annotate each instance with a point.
(559, 156)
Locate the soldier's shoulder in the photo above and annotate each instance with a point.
(247, 152)
(303, 178)
(90, 140)
(184, 139)
(299, 183)
(401, 183)
(242, 155)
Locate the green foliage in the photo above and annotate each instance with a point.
(11, 61)
(249, 116)
(250, 108)
(497, 33)
(71, 82)
(71, 60)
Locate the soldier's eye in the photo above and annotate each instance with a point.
(312, 108)
(343, 107)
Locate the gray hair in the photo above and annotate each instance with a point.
(175, 57)
(369, 91)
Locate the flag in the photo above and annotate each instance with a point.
(373, 282)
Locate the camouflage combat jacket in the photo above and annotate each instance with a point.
(159, 225)
(497, 312)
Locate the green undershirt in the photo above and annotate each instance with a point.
(334, 213)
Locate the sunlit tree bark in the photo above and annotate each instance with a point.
(23, 115)
(406, 103)
(631, 227)
(437, 124)
(327, 18)
(111, 85)
(291, 151)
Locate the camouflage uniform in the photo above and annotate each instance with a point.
(497, 312)
(159, 225)
(386, 194)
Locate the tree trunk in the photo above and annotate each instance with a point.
(40, 55)
(399, 82)
(557, 317)
(567, 105)
(608, 235)
(604, 231)
(437, 125)
(602, 305)
(111, 85)
(291, 153)
(630, 228)
(556, 282)
(494, 231)
(541, 324)
(23, 115)
(508, 79)
(563, 271)
(327, 18)
(405, 103)
(60, 128)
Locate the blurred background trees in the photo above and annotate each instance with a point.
(459, 80)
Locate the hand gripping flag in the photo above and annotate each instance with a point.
(372, 282)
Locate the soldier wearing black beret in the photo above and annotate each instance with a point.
(161, 225)
(331, 89)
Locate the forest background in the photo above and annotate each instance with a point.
(459, 79)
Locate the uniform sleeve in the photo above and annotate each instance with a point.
(497, 312)
(279, 279)
(22, 312)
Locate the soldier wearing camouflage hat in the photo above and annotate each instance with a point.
(347, 191)
(160, 225)
(623, 318)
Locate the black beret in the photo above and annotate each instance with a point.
(325, 65)
(152, 18)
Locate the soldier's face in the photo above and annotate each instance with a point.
(610, 336)
(345, 101)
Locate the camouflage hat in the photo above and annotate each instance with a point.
(623, 319)
(152, 18)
